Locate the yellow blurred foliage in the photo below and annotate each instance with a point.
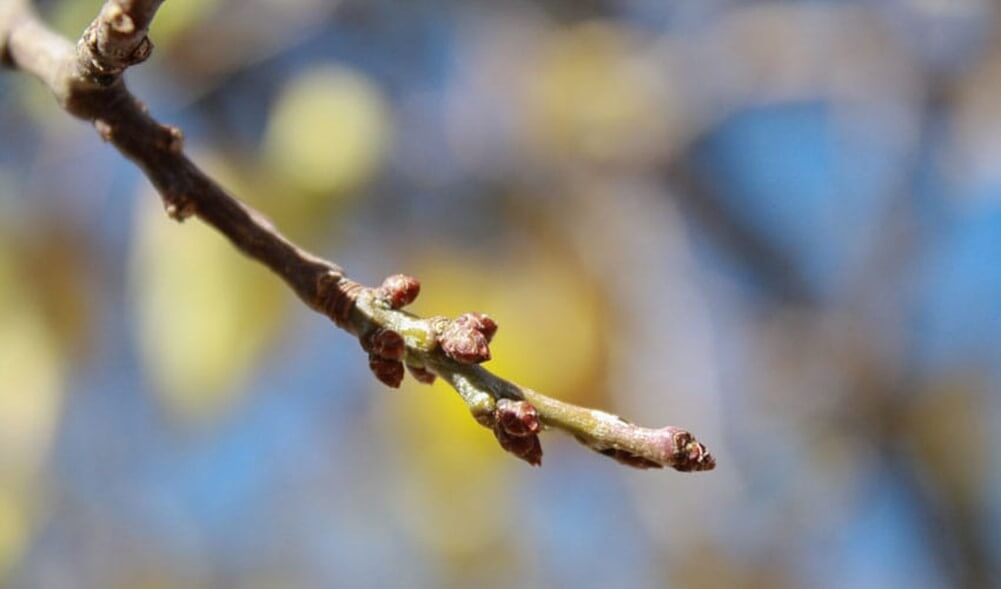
(71, 17)
(328, 132)
(31, 378)
(947, 429)
(177, 16)
(453, 496)
(65, 292)
(30, 388)
(205, 313)
(14, 528)
(31, 395)
(592, 96)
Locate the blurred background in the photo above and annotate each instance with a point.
(777, 224)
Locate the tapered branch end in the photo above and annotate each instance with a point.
(643, 448)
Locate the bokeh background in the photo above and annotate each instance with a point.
(775, 223)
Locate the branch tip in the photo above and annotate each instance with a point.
(669, 446)
(686, 453)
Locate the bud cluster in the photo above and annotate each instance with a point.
(466, 338)
(386, 348)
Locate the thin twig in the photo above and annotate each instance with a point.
(87, 81)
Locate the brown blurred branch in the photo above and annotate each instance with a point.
(87, 81)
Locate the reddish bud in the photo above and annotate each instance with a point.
(687, 453)
(400, 290)
(389, 372)
(528, 448)
(516, 426)
(422, 375)
(480, 322)
(517, 418)
(385, 343)
(463, 343)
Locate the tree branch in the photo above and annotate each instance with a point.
(87, 81)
